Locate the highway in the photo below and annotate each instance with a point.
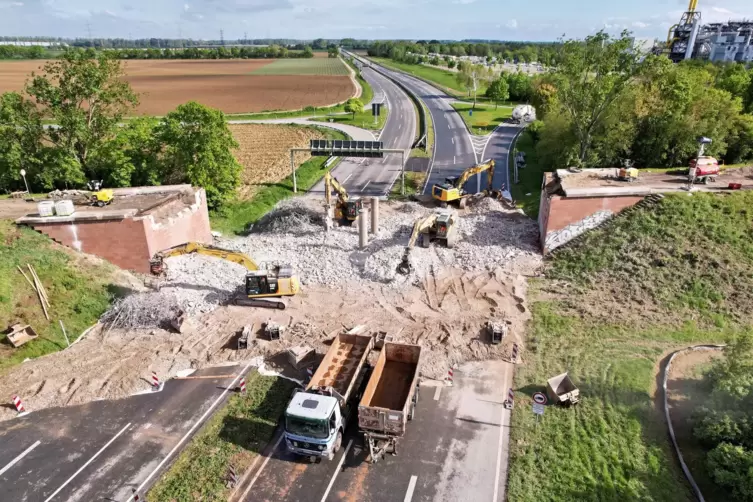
(375, 177)
(101, 450)
(454, 450)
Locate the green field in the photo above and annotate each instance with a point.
(609, 308)
(363, 120)
(313, 66)
(485, 118)
(444, 79)
(78, 295)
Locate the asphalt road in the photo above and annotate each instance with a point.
(101, 450)
(498, 149)
(454, 450)
(375, 177)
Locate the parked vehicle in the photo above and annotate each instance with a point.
(390, 398)
(316, 418)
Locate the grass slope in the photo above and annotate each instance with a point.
(608, 309)
(529, 178)
(443, 79)
(236, 434)
(485, 118)
(363, 120)
(79, 294)
(235, 216)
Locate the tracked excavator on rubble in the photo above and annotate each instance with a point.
(346, 207)
(262, 285)
(438, 226)
(451, 191)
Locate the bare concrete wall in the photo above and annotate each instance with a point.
(564, 218)
(191, 224)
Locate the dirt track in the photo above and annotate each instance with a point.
(446, 315)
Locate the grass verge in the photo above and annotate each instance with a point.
(484, 119)
(363, 120)
(608, 310)
(420, 152)
(235, 435)
(79, 293)
(414, 182)
(235, 216)
(444, 80)
(527, 192)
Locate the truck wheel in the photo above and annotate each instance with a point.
(338, 442)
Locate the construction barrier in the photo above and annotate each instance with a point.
(135, 495)
(242, 385)
(18, 404)
(309, 373)
(514, 357)
(450, 377)
(232, 476)
(155, 379)
(510, 401)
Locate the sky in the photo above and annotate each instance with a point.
(537, 20)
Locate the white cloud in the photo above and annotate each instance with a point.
(640, 24)
(722, 10)
(463, 2)
(186, 7)
(512, 23)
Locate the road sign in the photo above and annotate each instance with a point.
(343, 148)
(538, 408)
(539, 398)
(376, 109)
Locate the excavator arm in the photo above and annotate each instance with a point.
(480, 168)
(157, 264)
(331, 183)
(421, 224)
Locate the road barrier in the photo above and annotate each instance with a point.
(510, 401)
(135, 495)
(450, 376)
(514, 358)
(309, 373)
(18, 404)
(232, 476)
(155, 380)
(242, 385)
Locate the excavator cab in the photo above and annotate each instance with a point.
(259, 283)
(352, 208)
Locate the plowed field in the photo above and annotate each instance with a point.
(225, 84)
(264, 152)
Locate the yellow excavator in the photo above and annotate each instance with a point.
(451, 191)
(270, 282)
(438, 226)
(346, 207)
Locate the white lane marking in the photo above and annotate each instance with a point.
(22, 455)
(448, 125)
(499, 446)
(453, 159)
(88, 462)
(411, 487)
(364, 187)
(347, 178)
(191, 430)
(274, 448)
(453, 140)
(400, 126)
(437, 392)
(339, 466)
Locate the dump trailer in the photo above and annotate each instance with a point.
(562, 390)
(316, 417)
(389, 400)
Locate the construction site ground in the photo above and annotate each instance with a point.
(443, 306)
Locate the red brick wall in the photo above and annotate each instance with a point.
(186, 227)
(121, 242)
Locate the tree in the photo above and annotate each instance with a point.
(732, 467)
(21, 144)
(472, 77)
(307, 52)
(451, 63)
(131, 158)
(197, 149)
(521, 86)
(86, 97)
(354, 105)
(333, 52)
(498, 91)
(591, 75)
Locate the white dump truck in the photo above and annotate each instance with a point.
(390, 398)
(523, 113)
(316, 417)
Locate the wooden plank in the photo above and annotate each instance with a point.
(40, 285)
(27, 279)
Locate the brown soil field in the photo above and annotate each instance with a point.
(223, 84)
(264, 152)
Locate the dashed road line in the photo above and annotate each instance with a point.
(22, 455)
(364, 187)
(263, 465)
(437, 393)
(337, 471)
(411, 488)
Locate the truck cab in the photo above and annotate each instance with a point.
(313, 425)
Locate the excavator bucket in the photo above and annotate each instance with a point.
(405, 267)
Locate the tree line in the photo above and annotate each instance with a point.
(516, 52)
(724, 424)
(21, 52)
(88, 101)
(604, 103)
(271, 52)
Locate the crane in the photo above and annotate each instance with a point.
(681, 37)
(267, 282)
(346, 207)
(439, 225)
(452, 189)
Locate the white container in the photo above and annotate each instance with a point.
(46, 208)
(64, 207)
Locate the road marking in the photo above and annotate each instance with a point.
(339, 466)
(453, 159)
(437, 392)
(367, 184)
(453, 140)
(251, 469)
(347, 178)
(448, 125)
(22, 455)
(411, 487)
(499, 445)
(88, 462)
(191, 430)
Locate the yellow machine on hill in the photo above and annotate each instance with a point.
(451, 191)
(439, 226)
(100, 197)
(260, 283)
(346, 207)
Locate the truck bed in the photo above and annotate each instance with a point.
(341, 363)
(394, 386)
